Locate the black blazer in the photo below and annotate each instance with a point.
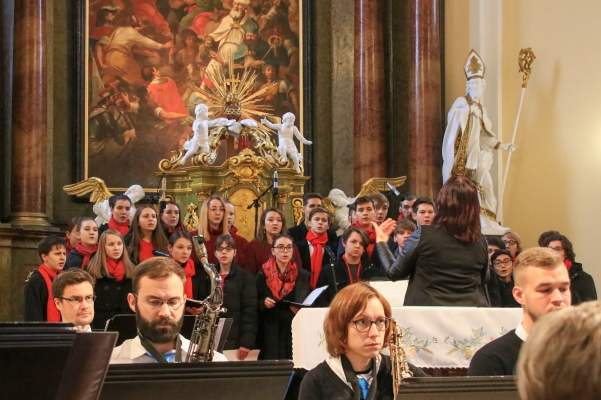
(111, 299)
(75, 260)
(442, 270)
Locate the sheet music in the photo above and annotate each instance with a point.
(232, 355)
(314, 295)
(394, 292)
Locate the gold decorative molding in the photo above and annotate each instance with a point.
(202, 195)
(297, 210)
(191, 218)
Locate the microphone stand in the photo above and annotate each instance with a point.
(256, 205)
(332, 260)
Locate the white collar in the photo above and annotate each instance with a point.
(136, 349)
(336, 365)
(521, 332)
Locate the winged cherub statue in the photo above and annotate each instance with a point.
(337, 202)
(100, 197)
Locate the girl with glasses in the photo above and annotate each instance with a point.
(503, 265)
(259, 250)
(513, 243)
(239, 297)
(279, 280)
(356, 329)
(112, 269)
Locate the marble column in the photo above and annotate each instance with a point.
(425, 92)
(29, 116)
(369, 92)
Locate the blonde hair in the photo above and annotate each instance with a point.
(514, 236)
(203, 218)
(562, 357)
(97, 267)
(540, 257)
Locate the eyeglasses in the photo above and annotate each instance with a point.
(498, 263)
(283, 248)
(224, 250)
(155, 304)
(510, 242)
(78, 300)
(364, 325)
(213, 209)
(556, 248)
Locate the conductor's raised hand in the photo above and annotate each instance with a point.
(384, 230)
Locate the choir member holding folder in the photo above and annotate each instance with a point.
(280, 279)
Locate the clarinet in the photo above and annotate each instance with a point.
(205, 324)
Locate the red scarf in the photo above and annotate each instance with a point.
(372, 238)
(86, 253)
(116, 269)
(234, 230)
(280, 284)
(146, 250)
(121, 228)
(567, 263)
(189, 271)
(317, 257)
(52, 313)
(68, 244)
(348, 268)
(215, 232)
(171, 231)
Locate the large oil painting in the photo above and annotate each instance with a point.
(143, 60)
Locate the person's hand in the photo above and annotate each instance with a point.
(256, 64)
(269, 302)
(213, 54)
(475, 111)
(129, 135)
(242, 353)
(167, 45)
(508, 147)
(294, 309)
(384, 230)
(308, 142)
(194, 311)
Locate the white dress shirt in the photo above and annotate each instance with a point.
(521, 333)
(132, 352)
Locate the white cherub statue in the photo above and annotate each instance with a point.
(200, 140)
(103, 211)
(340, 201)
(286, 132)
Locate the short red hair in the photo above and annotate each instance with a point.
(349, 302)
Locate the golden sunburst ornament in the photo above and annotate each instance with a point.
(233, 96)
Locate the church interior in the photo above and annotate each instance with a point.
(371, 83)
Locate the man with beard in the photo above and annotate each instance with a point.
(542, 285)
(158, 299)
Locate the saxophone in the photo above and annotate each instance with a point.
(205, 324)
(400, 367)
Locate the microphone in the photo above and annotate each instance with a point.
(330, 253)
(160, 253)
(163, 199)
(393, 189)
(275, 189)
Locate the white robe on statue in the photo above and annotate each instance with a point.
(476, 160)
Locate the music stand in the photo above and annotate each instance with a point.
(251, 380)
(52, 361)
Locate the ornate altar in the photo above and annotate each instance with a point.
(240, 179)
